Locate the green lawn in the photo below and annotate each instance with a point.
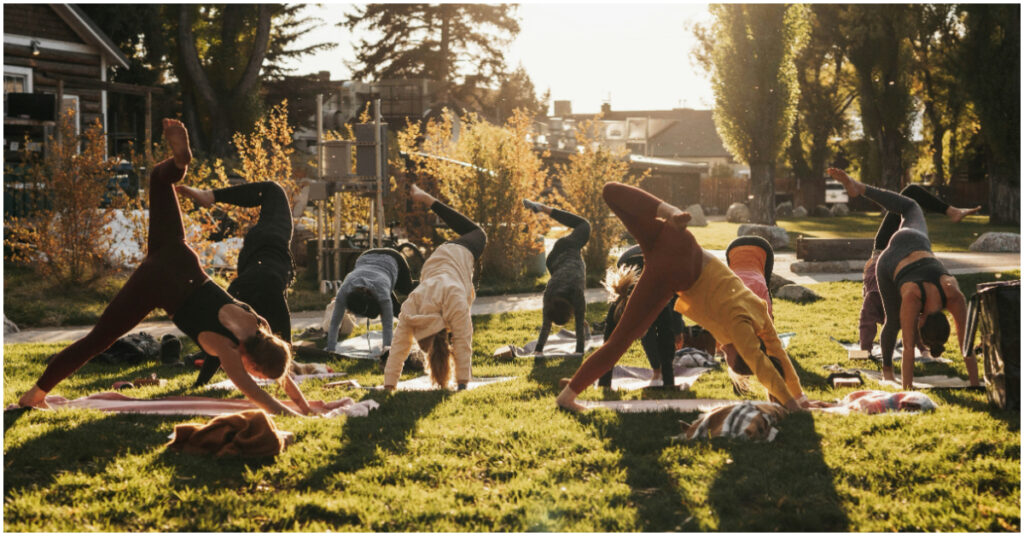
(502, 458)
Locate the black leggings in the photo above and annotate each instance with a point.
(471, 236)
(580, 234)
(169, 273)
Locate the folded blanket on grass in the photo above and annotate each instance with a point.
(876, 352)
(198, 405)
(249, 433)
(653, 406)
(423, 383)
(626, 378)
(561, 344)
(875, 402)
(937, 381)
(227, 385)
(745, 420)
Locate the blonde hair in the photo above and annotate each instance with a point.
(619, 281)
(439, 357)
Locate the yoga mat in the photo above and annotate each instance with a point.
(560, 344)
(228, 385)
(632, 378)
(423, 383)
(651, 406)
(369, 345)
(196, 405)
(876, 352)
(937, 381)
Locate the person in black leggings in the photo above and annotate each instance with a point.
(265, 261)
(915, 287)
(170, 277)
(436, 315)
(563, 295)
(871, 311)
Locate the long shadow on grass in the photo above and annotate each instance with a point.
(640, 438)
(388, 428)
(966, 399)
(71, 446)
(780, 486)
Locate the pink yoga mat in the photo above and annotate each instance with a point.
(196, 405)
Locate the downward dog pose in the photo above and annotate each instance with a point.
(265, 261)
(368, 290)
(708, 292)
(914, 286)
(563, 295)
(171, 278)
(871, 312)
(659, 341)
(436, 313)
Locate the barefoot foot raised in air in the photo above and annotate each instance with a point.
(177, 138)
(419, 196)
(204, 198)
(853, 188)
(956, 213)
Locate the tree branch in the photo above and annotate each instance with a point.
(257, 55)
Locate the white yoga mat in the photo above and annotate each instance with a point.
(876, 352)
(423, 383)
(651, 406)
(937, 381)
(369, 345)
(560, 344)
(196, 405)
(632, 378)
(228, 385)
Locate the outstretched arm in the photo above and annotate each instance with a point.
(336, 316)
(231, 362)
(957, 306)
(545, 331)
(295, 394)
(908, 324)
(580, 313)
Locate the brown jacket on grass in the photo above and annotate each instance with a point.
(248, 433)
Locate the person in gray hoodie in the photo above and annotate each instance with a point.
(563, 295)
(368, 290)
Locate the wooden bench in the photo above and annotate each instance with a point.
(833, 249)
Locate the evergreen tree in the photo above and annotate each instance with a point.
(749, 51)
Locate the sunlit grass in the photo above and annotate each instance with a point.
(502, 458)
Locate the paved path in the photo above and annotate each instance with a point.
(957, 263)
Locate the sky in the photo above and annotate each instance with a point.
(634, 56)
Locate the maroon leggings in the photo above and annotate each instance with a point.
(168, 274)
(672, 263)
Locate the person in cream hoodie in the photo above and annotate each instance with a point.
(436, 313)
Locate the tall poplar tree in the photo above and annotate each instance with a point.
(749, 51)
(461, 46)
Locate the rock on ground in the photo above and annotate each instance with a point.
(821, 211)
(840, 209)
(737, 213)
(784, 210)
(796, 293)
(10, 327)
(799, 212)
(776, 236)
(777, 282)
(697, 218)
(997, 243)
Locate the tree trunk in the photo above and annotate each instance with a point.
(890, 157)
(938, 160)
(445, 46)
(1004, 192)
(762, 186)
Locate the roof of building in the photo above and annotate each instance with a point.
(692, 133)
(90, 32)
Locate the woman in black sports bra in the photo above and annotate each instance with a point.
(171, 278)
(915, 287)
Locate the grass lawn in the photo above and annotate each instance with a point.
(503, 458)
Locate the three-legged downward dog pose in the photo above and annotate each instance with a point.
(708, 292)
(265, 260)
(915, 287)
(563, 295)
(368, 290)
(436, 313)
(871, 311)
(171, 278)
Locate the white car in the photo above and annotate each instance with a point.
(835, 193)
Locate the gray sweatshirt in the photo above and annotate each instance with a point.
(376, 272)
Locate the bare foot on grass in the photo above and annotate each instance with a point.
(853, 188)
(203, 197)
(956, 214)
(177, 138)
(567, 401)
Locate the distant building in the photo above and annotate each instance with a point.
(55, 59)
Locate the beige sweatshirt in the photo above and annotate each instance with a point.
(442, 300)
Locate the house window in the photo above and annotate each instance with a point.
(16, 80)
(70, 102)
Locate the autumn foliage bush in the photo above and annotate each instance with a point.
(502, 170)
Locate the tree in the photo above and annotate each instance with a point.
(990, 57)
(934, 41)
(583, 181)
(875, 40)
(516, 92)
(462, 46)
(749, 52)
(825, 95)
